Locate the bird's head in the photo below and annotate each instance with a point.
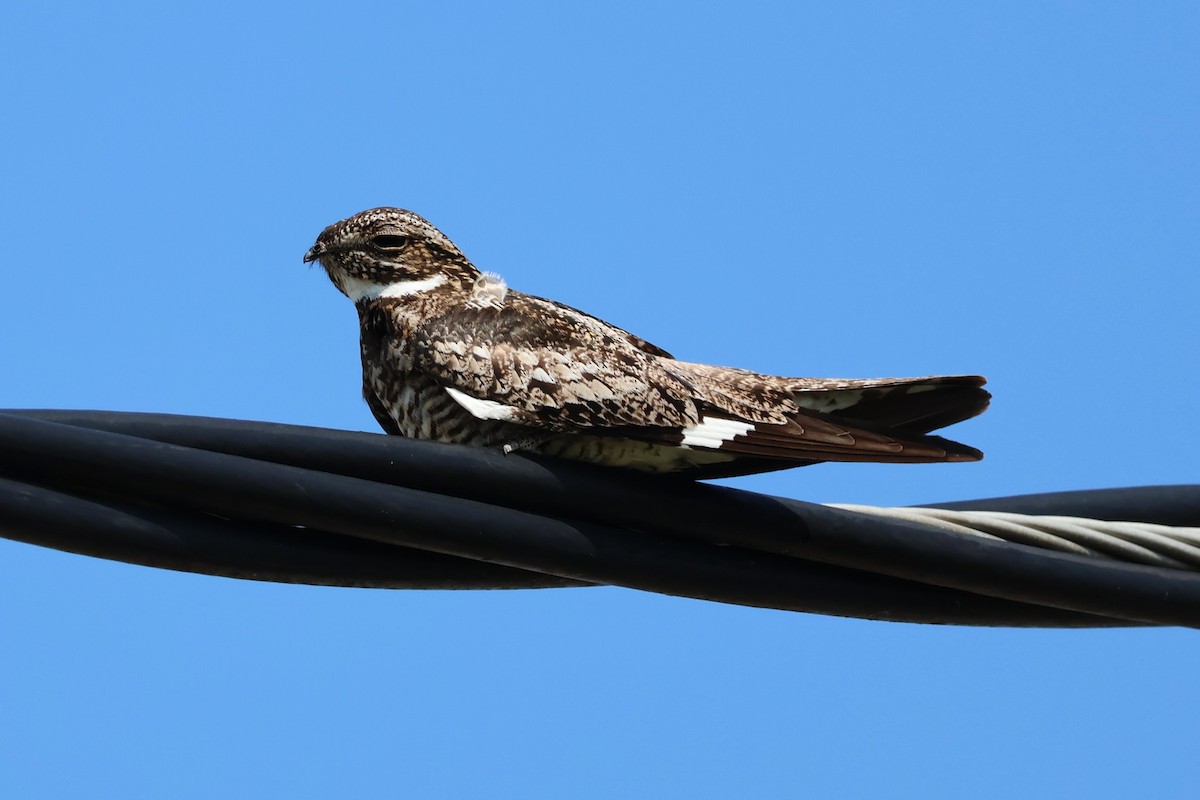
(389, 252)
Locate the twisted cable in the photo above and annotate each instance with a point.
(1135, 542)
(286, 503)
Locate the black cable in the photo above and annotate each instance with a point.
(671, 507)
(1159, 505)
(596, 505)
(190, 542)
(253, 490)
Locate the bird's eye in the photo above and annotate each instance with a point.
(390, 242)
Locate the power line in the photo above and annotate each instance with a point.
(289, 503)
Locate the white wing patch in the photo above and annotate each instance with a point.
(481, 409)
(358, 289)
(713, 432)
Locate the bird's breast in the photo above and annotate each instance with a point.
(421, 408)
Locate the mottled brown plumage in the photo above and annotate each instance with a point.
(451, 354)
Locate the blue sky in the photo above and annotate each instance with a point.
(812, 189)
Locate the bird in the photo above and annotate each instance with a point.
(450, 353)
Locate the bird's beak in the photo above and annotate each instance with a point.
(314, 252)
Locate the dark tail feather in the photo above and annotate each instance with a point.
(921, 406)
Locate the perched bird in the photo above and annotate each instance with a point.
(452, 354)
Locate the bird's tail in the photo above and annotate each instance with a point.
(885, 419)
(901, 405)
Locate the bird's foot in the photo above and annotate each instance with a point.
(517, 445)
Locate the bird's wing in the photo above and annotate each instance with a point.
(539, 363)
(831, 419)
(632, 338)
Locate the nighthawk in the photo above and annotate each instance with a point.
(452, 354)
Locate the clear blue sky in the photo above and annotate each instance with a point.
(814, 189)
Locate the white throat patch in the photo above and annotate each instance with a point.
(358, 289)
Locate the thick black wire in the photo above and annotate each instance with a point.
(662, 509)
(197, 542)
(228, 485)
(1158, 505)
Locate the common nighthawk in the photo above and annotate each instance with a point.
(452, 354)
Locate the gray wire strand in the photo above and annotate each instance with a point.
(1137, 542)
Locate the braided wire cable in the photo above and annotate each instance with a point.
(1135, 542)
(294, 504)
